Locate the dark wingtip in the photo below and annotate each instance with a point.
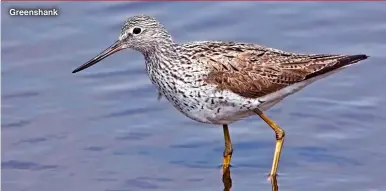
(358, 57)
(345, 61)
(351, 59)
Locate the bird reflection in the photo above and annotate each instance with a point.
(227, 180)
(275, 187)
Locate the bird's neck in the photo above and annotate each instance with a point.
(164, 58)
(163, 66)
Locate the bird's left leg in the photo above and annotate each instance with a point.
(228, 149)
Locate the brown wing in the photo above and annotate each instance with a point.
(253, 73)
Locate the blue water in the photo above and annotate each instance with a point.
(103, 129)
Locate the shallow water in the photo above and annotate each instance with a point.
(103, 129)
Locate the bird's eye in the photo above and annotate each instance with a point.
(137, 30)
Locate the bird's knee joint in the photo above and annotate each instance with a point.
(280, 134)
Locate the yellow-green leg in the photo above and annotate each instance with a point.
(227, 150)
(227, 154)
(279, 144)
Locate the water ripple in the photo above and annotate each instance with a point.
(24, 94)
(18, 124)
(23, 165)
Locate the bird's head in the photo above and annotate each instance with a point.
(142, 33)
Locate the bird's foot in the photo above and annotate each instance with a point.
(222, 165)
(272, 177)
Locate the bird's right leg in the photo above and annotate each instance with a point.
(280, 134)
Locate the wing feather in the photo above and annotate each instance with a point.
(253, 71)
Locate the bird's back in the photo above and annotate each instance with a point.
(253, 71)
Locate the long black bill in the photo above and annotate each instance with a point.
(117, 46)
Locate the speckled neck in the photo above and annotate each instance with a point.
(163, 66)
